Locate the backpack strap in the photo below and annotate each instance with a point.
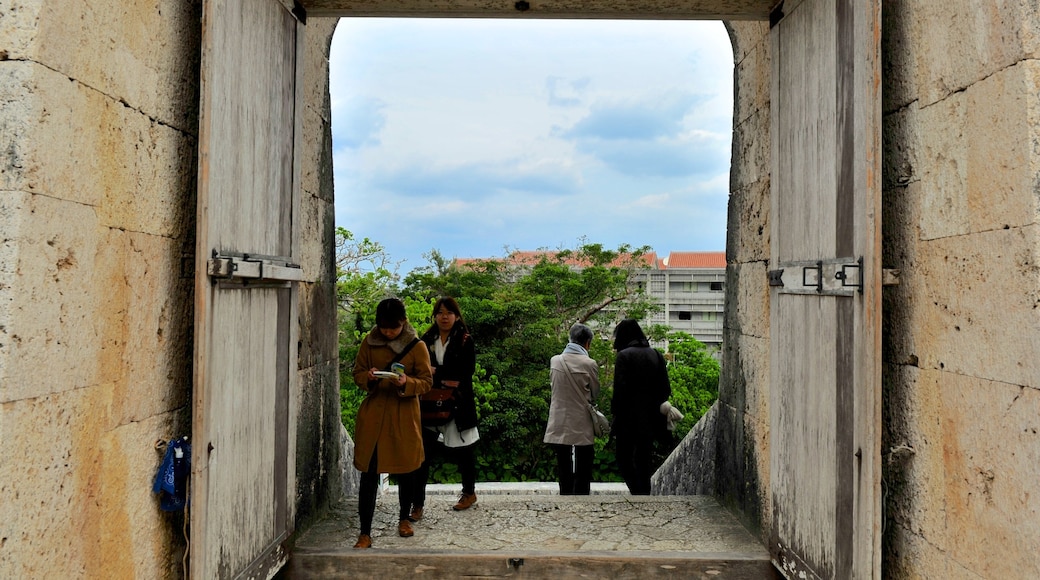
(401, 354)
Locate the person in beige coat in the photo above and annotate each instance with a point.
(388, 433)
(574, 377)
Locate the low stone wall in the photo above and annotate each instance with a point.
(690, 469)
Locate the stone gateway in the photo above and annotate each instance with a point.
(135, 307)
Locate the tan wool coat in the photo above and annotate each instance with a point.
(388, 419)
(575, 381)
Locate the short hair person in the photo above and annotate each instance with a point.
(574, 377)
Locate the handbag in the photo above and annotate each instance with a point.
(600, 424)
(437, 406)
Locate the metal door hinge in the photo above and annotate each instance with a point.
(252, 268)
(832, 277)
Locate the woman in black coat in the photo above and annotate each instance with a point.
(454, 359)
(640, 386)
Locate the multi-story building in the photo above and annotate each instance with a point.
(690, 286)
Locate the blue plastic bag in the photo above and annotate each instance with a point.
(171, 482)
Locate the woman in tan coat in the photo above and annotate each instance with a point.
(388, 434)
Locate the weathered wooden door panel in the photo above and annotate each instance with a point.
(245, 330)
(825, 298)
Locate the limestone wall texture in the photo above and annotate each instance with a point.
(98, 137)
(961, 332)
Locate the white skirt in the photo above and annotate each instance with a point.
(450, 435)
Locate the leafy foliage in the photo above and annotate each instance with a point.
(518, 310)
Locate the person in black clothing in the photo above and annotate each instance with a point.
(453, 357)
(640, 387)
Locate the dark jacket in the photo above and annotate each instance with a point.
(460, 360)
(640, 386)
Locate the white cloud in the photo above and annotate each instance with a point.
(475, 135)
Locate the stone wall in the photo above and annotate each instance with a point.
(98, 126)
(961, 382)
(318, 443)
(743, 407)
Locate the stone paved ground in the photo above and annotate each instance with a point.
(533, 517)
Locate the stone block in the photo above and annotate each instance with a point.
(755, 370)
(316, 230)
(1003, 132)
(50, 327)
(747, 233)
(318, 324)
(143, 55)
(145, 324)
(957, 45)
(71, 142)
(978, 305)
(316, 155)
(912, 451)
(752, 73)
(991, 452)
(750, 160)
(943, 168)
(315, 87)
(748, 299)
(45, 134)
(82, 502)
(746, 37)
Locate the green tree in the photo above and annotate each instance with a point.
(365, 274)
(519, 309)
(694, 375)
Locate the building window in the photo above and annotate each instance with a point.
(709, 316)
(716, 286)
(685, 315)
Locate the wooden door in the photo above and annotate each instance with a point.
(245, 320)
(825, 308)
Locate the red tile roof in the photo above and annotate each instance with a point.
(674, 259)
(533, 257)
(696, 260)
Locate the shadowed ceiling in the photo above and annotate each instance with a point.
(588, 9)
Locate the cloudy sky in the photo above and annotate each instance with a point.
(476, 137)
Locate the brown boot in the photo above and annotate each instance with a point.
(364, 541)
(416, 514)
(465, 501)
(404, 529)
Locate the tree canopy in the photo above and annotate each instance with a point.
(519, 309)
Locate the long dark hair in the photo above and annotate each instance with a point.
(628, 333)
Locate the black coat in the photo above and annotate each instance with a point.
(640, 386)
(460, 360)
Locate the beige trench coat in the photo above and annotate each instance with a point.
(575, 381)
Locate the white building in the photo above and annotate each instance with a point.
(691, 288)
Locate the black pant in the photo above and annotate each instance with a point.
(461, 456)
(634, 461)
(369, 488)
(575, 476)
